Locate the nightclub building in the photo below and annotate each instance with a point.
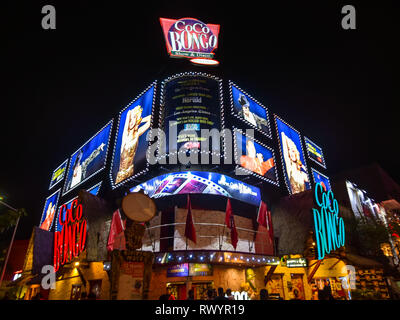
(225, 190)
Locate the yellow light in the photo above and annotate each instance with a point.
(313, 243)
(76, 264)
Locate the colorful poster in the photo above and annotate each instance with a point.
(255, 158)
(89, 159)
(322, 179)
(93, 190)
(129, 159)
(179, 270)
(249, 110)
(58, 174)
(294, 165)
(314, 152)
(49, 211)
(199, 182)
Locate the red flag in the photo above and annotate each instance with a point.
(230, 223)
(270, 228)
(262, 218)
(116, 234)
(190, 231)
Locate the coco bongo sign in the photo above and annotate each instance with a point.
(329, 227)
(190, 38)
(71, 240)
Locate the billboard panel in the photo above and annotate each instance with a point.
(88, 159)
(314, 152)
(129, 158)
(322, 179)
(190, 102)
(255, 158)
(58, 174)
(93, 190)
(294, 165)
(247, 109)
(199, 182)
(49, 211)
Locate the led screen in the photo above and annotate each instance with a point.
(294, 165)
(314, 152)
(250, 111)
(254, 157)
(322, 179)
(89, 159)
(130, 147)
(58, 174)
(49, 211)
(199, 182)
(93, 190)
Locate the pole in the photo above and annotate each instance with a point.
(12, 241)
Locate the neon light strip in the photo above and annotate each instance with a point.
(234, 113)
(308, 155)
(113, 185)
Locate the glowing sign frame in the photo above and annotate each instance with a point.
(327, 178)
(146, 169)
(307, 140)
(110, 123)
(45, 205)
(64, 164)
(234, 113)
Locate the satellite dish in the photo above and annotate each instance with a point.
(138, 207)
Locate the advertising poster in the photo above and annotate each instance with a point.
(129, 159)
(314, 152)
(89, 159)
(248, 110)
(93, 190)
(294, 165)
(320, 178)
(49, 211)
(199, 182)
(200, 269)
(130, 286)
(58, 174)
(255, 157)
(192, 103)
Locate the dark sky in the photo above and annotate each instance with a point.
(61, 86)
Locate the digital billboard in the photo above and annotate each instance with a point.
(314, 152)
(190, 102)
(93, 190)
(58, 174)
(88, 159)
(49, 211)
(129, 157)
(250, 111)
(322, 179)
(254, 157)
(294, 165)
(199, 182)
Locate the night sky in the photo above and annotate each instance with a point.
(61, 86)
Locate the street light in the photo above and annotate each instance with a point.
(12, 239)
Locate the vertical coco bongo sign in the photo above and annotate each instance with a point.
(190, 38)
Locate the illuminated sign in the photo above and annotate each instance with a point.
(49, 211)
(135, 120)
(199, 182)
(89, 159)
(294, 164)
(200, 269)
(329, 227)
(322, 179)
(296, 263)
(71, 240)
(247, 109)
(179, 270)
(190, 38)
(255, 158)
(58, 174)
(314, 152)
(205, 62)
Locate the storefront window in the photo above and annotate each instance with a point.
(76, 292)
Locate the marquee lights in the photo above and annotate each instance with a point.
(105, 158)
(268, 134)
(249, 172)
(55, 206)
(71, 240)
(329, 227)
(113, 185)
